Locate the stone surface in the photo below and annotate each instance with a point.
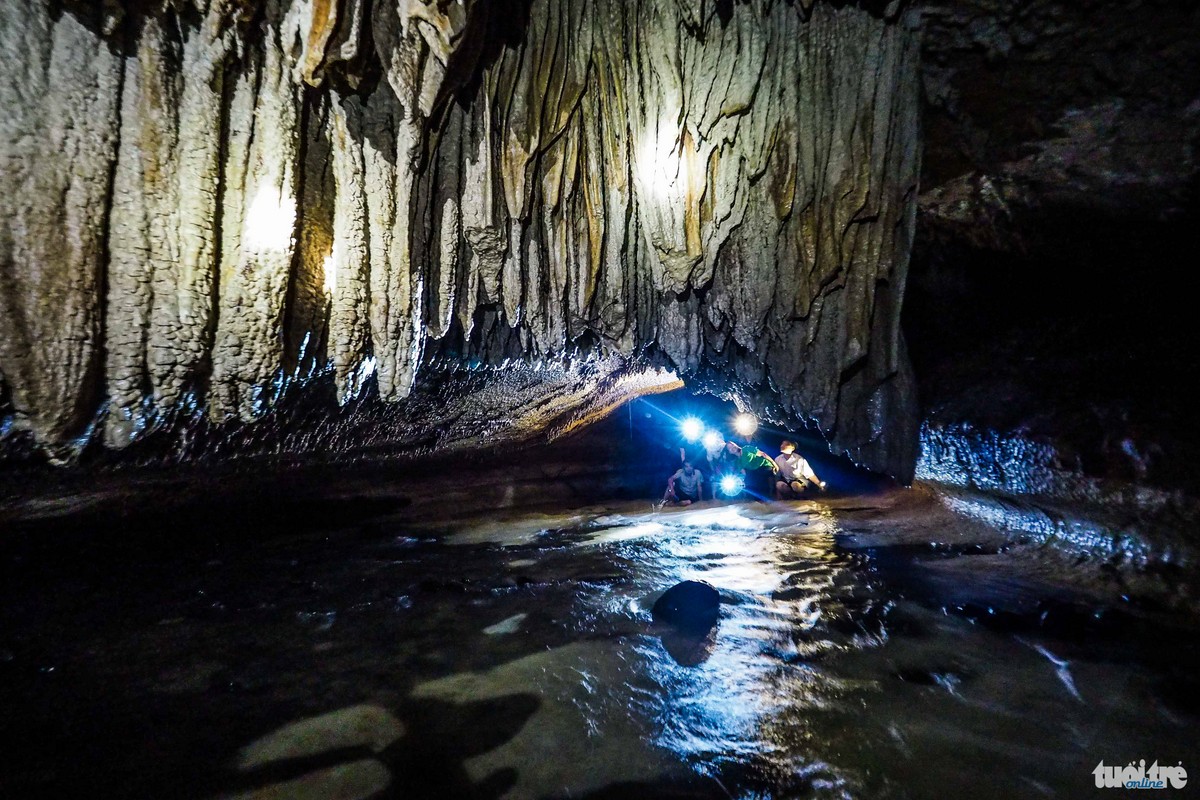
(60, 88)
(509, 625)
(365, 726)
(550, 704)
(1045, 104)
(690, 605)
(1048, 329)
(255, 194)
(359, 780)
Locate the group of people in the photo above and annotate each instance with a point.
(700, 470)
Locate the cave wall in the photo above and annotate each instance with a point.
(1049, 328)
(203, 204)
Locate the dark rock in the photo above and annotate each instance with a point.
(921, 677)
(690, 606)
(1179, 694)
(689, 648)
(997, 619)
(930, 676)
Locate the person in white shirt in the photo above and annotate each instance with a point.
(795, 474)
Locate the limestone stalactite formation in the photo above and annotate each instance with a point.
(202, 203)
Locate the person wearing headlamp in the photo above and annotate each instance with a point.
(750, 460)
(794, 474)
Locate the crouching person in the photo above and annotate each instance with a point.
(685, 486)
(794, 474)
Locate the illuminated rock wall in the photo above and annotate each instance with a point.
(204, 203)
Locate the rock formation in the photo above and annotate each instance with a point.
(1061, 182)
(203, 203)
(1043, 109)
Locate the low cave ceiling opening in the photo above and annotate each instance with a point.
(649, 436)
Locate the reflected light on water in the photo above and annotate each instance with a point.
(728, 704)
(636, 530)
(716, 518)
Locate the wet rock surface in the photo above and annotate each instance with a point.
(691, 606)
(451, 412)
(875, 646)
(1058, 399)
(364, 726)
(360, 780)
(1048, 335)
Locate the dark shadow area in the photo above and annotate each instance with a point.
(689, 648)
(441, 736)
(1085, 339)
(668, 790)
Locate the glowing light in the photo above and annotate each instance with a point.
(713, 440)
(731, 485)
(721, 519)
(270, 221)
(331, 272)
(692, 429)
(659, 162)
(745, 424)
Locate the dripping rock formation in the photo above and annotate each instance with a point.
(205, 204)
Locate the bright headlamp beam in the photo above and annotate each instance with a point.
(692, 429)
(731, 485)
(745, 424)
(713, 440)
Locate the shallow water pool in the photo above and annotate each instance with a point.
(518, 657)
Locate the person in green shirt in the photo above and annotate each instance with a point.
(749, 459)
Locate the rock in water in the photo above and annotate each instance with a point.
(510, 625)
(691, 606)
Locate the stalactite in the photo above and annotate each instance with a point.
(60, 88)
(347, 268)
(306, 185)
(162, 254)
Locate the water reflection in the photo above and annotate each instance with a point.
(823, 678)
(521, 657)
(717, 699)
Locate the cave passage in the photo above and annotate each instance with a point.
(392, 396)
(488, 626)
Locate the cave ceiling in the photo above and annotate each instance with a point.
(1038, 110)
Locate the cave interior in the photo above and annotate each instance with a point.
(346, 345)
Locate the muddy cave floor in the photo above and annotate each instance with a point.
(348, 645)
